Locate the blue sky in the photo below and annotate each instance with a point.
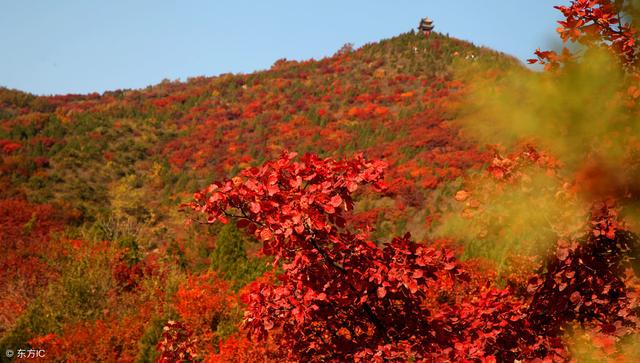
(80, 46)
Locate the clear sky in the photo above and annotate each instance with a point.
(80, 46)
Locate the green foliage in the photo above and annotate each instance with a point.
(132, 253)
(33, 322)
(147, 352)
(230, 258)
(79, 295)
(81, 292)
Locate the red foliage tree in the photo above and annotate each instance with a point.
(585, 283)
(238, 348)
(202, 303)
(176, 344)
(25, 240)
(594, 23)
(342, 297)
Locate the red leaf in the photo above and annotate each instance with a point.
(413, 286)
(265, 234)
(241, 223)
(336, 200)
(575, 297)
(254, 207)
(268, 324)
(272, 189)
(449, 266)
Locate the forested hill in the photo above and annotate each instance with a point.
(90, 185)
(387, 99)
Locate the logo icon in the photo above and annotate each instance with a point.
(9, 353)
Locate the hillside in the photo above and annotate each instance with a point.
(97, 257)
(93, 151)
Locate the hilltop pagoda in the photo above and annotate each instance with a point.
(426, 26)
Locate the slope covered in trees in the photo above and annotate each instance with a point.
(98, 181)
(309, 264)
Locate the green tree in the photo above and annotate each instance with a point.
(230, 257)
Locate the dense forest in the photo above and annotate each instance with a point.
(417, 199)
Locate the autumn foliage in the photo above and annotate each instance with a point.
(342, 297)
(407, 226)
(595, 23)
